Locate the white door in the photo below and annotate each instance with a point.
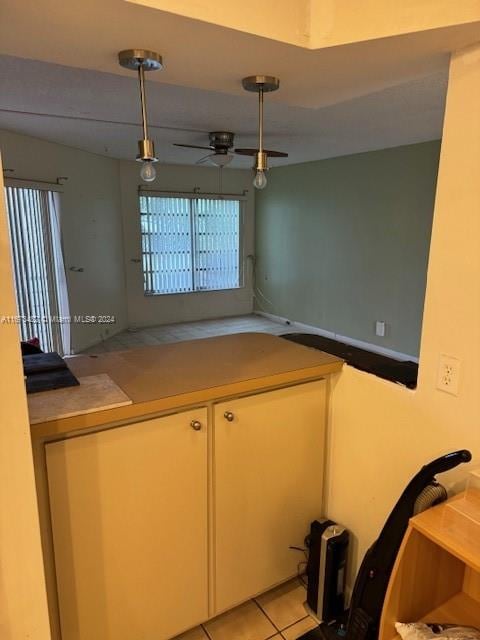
(23, 603)
(268, 472)
(129, 520)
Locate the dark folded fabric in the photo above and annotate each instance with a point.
(28, 348)
(49, 380)
(47, 371)
(40, 362)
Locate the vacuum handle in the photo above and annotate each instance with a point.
(446, 462)
(372, 581)
(403, 510)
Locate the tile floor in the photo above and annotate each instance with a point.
(278, 614)
(187, 331)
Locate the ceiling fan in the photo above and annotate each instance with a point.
(221, 142)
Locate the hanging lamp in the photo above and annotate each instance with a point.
(141, 60)
(260, 85)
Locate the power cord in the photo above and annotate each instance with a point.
(302, 565)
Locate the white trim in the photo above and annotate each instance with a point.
(40, 185)
(300, 326)
(192, 195)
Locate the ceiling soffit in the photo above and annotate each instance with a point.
(202, 55)
(314, 24)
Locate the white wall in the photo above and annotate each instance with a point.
(101, 234)
(144, 311)
(358, 233)
(382, 433)
(91, 226)
(23, 601)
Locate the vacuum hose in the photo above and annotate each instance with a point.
(433, 494)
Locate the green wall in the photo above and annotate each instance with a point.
(343, 242)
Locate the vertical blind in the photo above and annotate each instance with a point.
(190, 244)
(39, 274)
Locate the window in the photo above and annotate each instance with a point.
(39, 274)
(190, 244)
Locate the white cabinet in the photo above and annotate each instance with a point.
(268, 473)
(129, 520)
(152, 519)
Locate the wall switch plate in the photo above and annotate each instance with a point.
(448, 374)
(380, 328)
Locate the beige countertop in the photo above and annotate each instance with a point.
(182, 374)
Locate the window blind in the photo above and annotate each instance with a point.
(39, 274)
(190, 244)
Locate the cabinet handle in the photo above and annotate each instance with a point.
(196, 425)
(228, 415)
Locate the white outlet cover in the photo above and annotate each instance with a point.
(380, 328)
(448, 375)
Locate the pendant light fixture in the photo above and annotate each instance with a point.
(141, 60)
(260, 85)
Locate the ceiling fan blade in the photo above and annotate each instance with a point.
(245, 152)
(270, 153)
(276, 154)
(191, 146)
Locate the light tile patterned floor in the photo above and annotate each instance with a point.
(188, 331)
(278, 614)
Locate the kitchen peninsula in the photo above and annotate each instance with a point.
(160, 514)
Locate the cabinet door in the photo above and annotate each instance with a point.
(268, 472)
(129, 521)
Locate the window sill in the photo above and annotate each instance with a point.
(188, 293)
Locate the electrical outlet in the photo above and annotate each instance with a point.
(380, 328)
(448, 374)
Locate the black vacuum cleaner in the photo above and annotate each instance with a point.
(368, 595)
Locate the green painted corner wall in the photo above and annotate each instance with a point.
(343, 242)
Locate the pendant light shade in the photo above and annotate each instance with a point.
(141, 60)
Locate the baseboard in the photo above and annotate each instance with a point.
(361, 344)
(97, 341)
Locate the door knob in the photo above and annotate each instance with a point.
(196, 425)
(228, 415)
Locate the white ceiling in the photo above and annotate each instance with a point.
(79, 108)
(331, 101)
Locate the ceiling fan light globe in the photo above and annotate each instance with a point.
(221, 159)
